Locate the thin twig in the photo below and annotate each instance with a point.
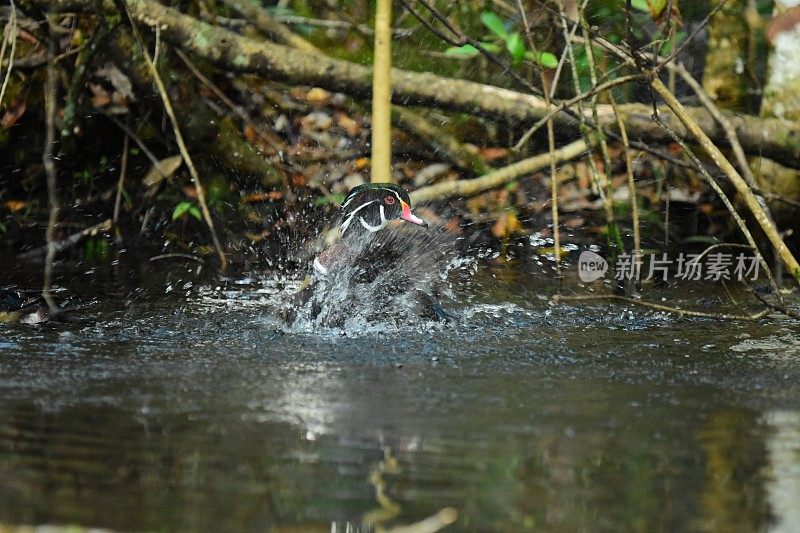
(48, 159)
(462, 39)
(730, 132)
(132, 134)
(571, 102)
(9, 33)
(593, 101)
(700, 27)
(637, 242)
(201, 194)
(600, 185)
(178, 256)
(122, 171)
(659, 307)
(337, 24)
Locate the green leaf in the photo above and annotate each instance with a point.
(515, 47)
(641, 5)
(700, 239)
(195, 212)
(494, 23)
(463, 51)
(656, 7)
(545, 59)
(2, 228)
(181, 210)
(332, 199)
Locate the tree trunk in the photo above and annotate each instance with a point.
(724, 77)
(782, 102)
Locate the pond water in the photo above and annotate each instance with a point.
(177, 402)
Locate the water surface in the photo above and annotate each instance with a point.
(183, 405)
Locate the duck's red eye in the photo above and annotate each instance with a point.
(389, 200)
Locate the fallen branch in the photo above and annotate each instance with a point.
(765, 137)
(462, 188)
(779, 307)
(72, 240)
(658, 307)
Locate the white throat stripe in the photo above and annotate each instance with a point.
(346, 223)
(373, 229)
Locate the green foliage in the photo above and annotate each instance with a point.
(96, 249)
(654, 7)
(184, 208)
(614, 238)
(515, 47)
(700, 239)
(669, 44)
(546, 59)
(494, 23)
(331, 199)
(2, 228)
(514, 44)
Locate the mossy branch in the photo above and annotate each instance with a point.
(499, 177)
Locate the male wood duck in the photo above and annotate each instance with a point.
(373, 271)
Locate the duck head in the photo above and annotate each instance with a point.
(371, 206)
(367, 209)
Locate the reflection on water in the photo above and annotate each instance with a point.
(783, 487)
(190, 409)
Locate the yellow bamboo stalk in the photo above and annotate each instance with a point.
(382, 94)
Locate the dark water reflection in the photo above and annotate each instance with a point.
(191, 410)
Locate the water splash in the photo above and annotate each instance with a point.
(391, 279)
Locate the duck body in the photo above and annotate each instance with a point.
(380, 269)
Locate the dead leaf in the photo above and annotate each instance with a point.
(262, 197)
(250, 133)
(506, 225)
(493, 153)
(13, 113)
(318, 97)
(164, 169)
(117, 79)
(783, 22)
(352, 127)
(15, 205)
(361, 163)
(298, 180)
(317, 120)
(100, 97)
